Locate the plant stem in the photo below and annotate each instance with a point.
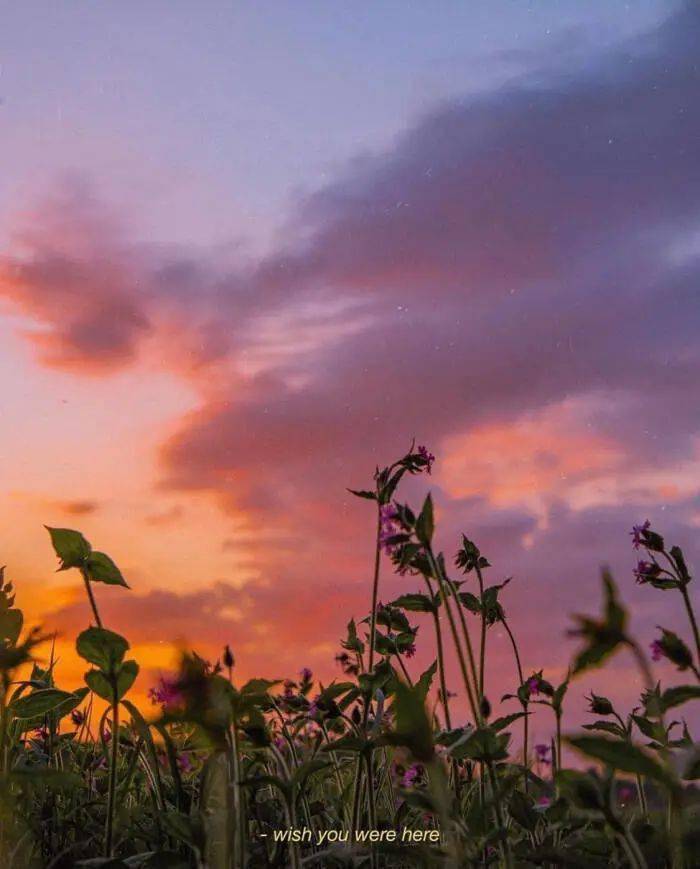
(693, 621)
(482, 647)
(476, 712)
(441, 659)
(112, 787)
(521, 679)
(91, 598)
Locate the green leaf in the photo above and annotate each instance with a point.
(483, 744)
(70, 546)
(102, 647)
(581, 788)
(419, 603)
(470, 601)
(101, 568)
(11, 622)
(623, 756)
(102, 684)
(426, 680)
(603, 636)
(363, 493)
(606, 727)
(39, 703)
(412, 728)
(679, 695)
(425, 524)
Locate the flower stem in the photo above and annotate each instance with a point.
(521, 679)
(692, 619)
(91, 598)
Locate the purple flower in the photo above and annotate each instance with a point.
(657, 650)
(644, 571)
(544, 802)
(542, 753)
(280, 743)
(411, 776)
(184, 762)
(533, 685)
(77, 717)
(410, 650)
(387, 526)
(427, 457)
(166, 692)
(306, 674)
(638, 532)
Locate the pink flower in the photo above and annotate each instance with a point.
(166, 692)
(637, 533)
(411, 776)
(184, 762)
(533, 685)
(387, 526)
(544, 802)
(542, 753)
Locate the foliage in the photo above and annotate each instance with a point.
(271, 774)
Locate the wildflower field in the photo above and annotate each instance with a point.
(375, 769)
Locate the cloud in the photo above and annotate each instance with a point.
(513, 282)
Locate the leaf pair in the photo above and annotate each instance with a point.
(113, 676)
(74, 550)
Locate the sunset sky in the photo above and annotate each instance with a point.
(250, 250)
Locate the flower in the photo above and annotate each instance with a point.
(387, 526)
(600, 705)
(638, 532)
(411, 776)
(533, 685)
(184, 763)
(645, 571)
(77, 717)
(542, 753)
(410, 650)
(305, 674)
(166, 692)
(657, 650)
(427, 457)
(544, 802)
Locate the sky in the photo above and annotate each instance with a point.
(250, 251)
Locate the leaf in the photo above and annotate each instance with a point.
(422, 686)
(425, 523)
(363, 493)
(581, 788)
(70, 546)
(623, 756)
(102, 684)
(11, 622)
(482, 744)
(41, 702)
(470, 601)
(412, 729)
(606, 727)
(501, 723)
(521, 809)
(102, 647)
(603, 636)
(679, 695)
(419, 603)
(101, 568)
(307, 769)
